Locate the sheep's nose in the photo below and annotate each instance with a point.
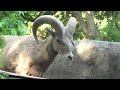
(70, 57)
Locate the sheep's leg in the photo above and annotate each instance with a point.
(10, 64)
(23, 64)
(23, 67)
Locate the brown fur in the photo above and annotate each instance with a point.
(26, 56)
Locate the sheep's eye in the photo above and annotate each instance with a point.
(58, 40)
(61, 42)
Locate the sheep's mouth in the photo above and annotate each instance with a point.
(67, 58)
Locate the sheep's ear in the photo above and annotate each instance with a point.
(51, 32)
(71, 26)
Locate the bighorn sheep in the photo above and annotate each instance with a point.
(26, 55)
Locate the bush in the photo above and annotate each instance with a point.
(110, 29)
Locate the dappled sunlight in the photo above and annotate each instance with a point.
(85, 49)
(42, 31)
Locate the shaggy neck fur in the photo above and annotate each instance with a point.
(48, 53)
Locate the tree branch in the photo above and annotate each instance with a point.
(82, 23)
(88, 27)
(92, 29)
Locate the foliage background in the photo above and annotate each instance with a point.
(20, 23)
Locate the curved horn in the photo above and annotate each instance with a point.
(48, 19)
(71, 25)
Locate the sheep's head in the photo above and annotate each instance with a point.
(62, 36)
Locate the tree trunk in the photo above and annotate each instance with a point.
(92, 60)
(88, 27)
